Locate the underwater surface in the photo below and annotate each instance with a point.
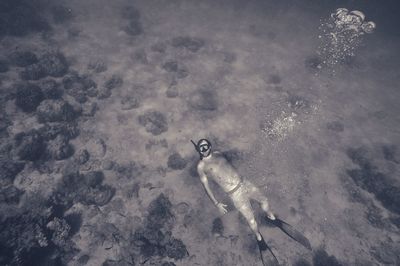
(100, 99)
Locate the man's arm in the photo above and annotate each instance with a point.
(204, 181)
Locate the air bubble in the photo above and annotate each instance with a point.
(342, 34)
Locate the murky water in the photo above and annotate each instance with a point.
(341, 35)
(101, 98)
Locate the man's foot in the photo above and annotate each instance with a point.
(267, 256)
(271, 216)
(261, 244)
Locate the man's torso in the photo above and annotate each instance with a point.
(221, 171)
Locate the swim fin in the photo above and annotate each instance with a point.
(267, 256)
(291, 232)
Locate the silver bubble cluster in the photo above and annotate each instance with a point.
(342, 34)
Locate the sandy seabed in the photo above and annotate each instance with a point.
(99, 101)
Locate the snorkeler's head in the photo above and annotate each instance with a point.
(203, 147)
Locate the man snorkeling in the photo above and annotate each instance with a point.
(214, 165)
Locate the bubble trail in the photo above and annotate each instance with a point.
(342, 34)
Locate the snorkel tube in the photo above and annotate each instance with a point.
(197, 149)
(195, 145)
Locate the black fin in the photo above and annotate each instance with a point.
(291, 232)
(262, 245)
(268, 258)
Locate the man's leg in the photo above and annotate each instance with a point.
(267, 256)
(244, 207)
(256, 194)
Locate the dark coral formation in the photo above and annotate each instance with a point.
(51, 89)
(86, 189)
(30, 145)
(369, 178)
(115, 81)
(387, 253)
(159, 212)
(155, 238)
(23, 58)
(204, 100)
(35, 230)
(176, 68)
(192, 44)
(129, 103)
(9, 169)
(28, 97)
(50, 142)
(50, 131)
(80, 86)
(176, 162)
(36, 234)
(320, 258)
(10, 194)
(217, 227)
(390, 153)
(55, 111)
(59, 148)
(155, 122)
(132, 14)
(83, 156)
(134, 28)
(52, 64)
(33, 72)
(98, 66)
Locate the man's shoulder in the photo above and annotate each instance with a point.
(219, 155)
(200, 165)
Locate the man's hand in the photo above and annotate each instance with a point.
(222, 207)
